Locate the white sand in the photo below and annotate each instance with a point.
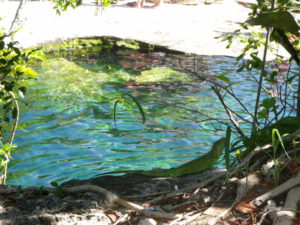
(190, 29)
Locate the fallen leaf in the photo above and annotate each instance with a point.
(245, 207)
(112, 217)
(250, 196)
(187, 207)
(268, 183)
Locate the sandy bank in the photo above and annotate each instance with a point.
(191, 29)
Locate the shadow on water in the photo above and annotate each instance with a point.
(67, 128)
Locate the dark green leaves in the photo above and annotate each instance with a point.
(223, 78)
(54, 184)
(59, 189)
(2, 44)
(14, 113)
(267, 104)
(23, 90)
(280, 19)
(13, 68)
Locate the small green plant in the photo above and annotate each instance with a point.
(13, 73)
(63, 5)
(41, 190)
(19, 189)
(227, 147)
(276, 78)
(295, 150)
(5, 156)
(277, 163)
(59, 189)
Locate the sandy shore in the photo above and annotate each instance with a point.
(192, 29)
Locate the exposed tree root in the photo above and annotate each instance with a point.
(278, 190)
(288, 213)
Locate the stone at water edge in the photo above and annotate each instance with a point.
(147, 221)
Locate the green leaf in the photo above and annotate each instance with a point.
(14, 113)
(223, 78)
(3, 61)
(9, 86)
(280, 19)
(41, 190)
(59, 191)
(54, 184)
(19, 189)
(275, 144)
(241, 68)
(23, 90)
(272, 76)
(263, 113)
(268, 103)
(290, 79)
(2, 44)
(227, 143)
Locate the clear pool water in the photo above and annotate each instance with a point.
(67, 129)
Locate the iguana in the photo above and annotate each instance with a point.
(202, 163)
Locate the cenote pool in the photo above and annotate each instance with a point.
(67, 129)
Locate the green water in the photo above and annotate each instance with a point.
(67, 129)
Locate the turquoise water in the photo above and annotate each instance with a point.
(67, 129)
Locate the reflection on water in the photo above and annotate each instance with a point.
(67, 129)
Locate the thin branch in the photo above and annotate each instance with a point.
(231, 93)
(276, 191)
(15, 125)
(235, 123)
(255, 122)
(16, 18)
(298, 95)
(13, 132)
(254, 78)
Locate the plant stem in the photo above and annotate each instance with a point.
(298, 96)
(11, 139)
(255, 122)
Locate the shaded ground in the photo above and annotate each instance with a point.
(91, 208)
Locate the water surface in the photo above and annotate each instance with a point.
(67, 127)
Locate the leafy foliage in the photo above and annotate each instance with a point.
(13, 72)
(63, 5)
(280, 19)
(276, 81)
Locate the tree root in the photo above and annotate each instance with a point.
(288, 213)
(244, 185)
(276, 191)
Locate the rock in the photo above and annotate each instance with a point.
(147, 221)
